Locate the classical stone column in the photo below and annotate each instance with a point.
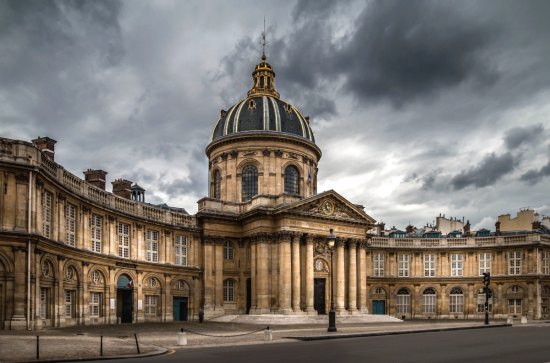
(167, 302)
(18, 319)
(139, 316)
(362, 280)
(340, 278)
(285, 287)
(296, 274)
(309, 276)
(262, 285)
(352, 277)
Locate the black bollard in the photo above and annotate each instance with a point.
(137, 344)
(101, 346)
(37, 347)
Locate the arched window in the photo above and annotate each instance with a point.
(428, 301)
(217, 192)
(292, 180)
(249, 182)
(456, 300)
(229, 290)
(228, 252)
(403, 304)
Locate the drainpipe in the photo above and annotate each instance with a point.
(29, 214)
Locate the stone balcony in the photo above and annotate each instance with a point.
(467, 242)
(25, 153)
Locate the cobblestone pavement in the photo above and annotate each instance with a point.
(78, 342)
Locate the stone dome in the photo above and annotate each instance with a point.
(263, 111)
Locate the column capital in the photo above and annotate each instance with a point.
(352, 243)
(284, 236)
(340, 242)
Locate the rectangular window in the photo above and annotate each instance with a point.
(47, 214)
(181, 247)
(456, 264)
(69, 303)
(514, 263)
(70, 224)
(428, 303)
(97, 226)
(151, 302)
(95, 305)
(403, 265)
(481, 303)
(44, 295)
(378, 264)
(429, 265)
(546, 262)
(514, 306)
(403, 304)
(152, 246)
(456, 303)
(228, 253)
(484, 263)
(123, 240)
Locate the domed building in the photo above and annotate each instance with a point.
(264, 225)
(73, 253)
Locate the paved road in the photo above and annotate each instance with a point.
(522, 344)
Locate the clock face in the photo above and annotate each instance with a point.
(327, 207)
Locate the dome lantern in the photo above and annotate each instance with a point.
(263, 79)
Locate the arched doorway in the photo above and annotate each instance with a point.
(378, 301)
(124, 297)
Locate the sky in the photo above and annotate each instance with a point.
(420, 107)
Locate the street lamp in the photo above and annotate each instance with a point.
(331, 240)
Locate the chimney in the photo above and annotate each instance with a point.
(46, 145)
(536, 225)
(95, 177)
(467, 228)
(497, 228)
(410, 229)
(122, 188)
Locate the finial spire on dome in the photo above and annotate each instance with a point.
(263, 76)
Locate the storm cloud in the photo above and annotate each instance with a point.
(420, 108)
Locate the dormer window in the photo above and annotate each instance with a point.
(251, 105)
(288, 108)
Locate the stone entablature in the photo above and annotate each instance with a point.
(27, 154)
(400, 243)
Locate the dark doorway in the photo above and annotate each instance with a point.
(124, 299)
(319, 296)
(180, 310)
(248, 295)
(379, 307)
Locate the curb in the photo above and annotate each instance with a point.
(358, 335)
(159, 351)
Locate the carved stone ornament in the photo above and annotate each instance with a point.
(249, 153)
(6, 147)
(319, 265)
(233, 154)
(224, 156)
(21, 178)
(320, 248)
(278, 153)
(266, 152)
(292, 155)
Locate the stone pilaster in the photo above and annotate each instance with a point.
(218, 271)
(18, 319)
(309, 276)
(253, 276)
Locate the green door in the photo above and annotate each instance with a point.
(379, 307)
(180, 309)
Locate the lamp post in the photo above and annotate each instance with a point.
(331, 240)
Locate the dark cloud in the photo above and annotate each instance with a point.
(403, 50)
(487, 172)
(534, 176)
(520, 135)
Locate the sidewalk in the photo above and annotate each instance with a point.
(78, 342)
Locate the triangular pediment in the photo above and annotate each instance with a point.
(328, 205)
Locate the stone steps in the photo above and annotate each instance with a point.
(280, 319)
